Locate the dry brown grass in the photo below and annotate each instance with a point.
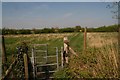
(107, 53)
(101, 39)
(41, 35)
(101, 58)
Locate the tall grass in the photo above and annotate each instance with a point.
(99, 61)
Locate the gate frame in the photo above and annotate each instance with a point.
(33, 60)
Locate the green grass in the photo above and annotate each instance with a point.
(11, 42)
(95, 62)
(76, 42)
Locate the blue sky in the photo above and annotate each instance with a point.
(0, 15)
(56, 14)
(59, 0)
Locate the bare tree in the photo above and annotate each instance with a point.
(115, 9)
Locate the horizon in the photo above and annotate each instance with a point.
(55, 27)
(38, 15)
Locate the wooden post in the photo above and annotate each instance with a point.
(57, 58)
(4, 58)
(33, 63)
(12, 71)
(119, 53)
(9, 70)
(26, 66)
(85, 38)
(62, 57)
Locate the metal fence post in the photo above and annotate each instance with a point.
(62, 57)
(57, 57)
(46, 52)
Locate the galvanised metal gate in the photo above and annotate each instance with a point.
(44, 64)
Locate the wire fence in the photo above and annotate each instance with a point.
(17, 69)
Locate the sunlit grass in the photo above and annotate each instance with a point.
(100, 60)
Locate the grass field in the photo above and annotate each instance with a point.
(101, 52)
(53, 40)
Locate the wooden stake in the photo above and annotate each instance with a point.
(119, 53)
(4, 58)
(9, 70)
(85, 36)
(33, 63)
(26, 66)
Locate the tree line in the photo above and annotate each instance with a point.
(111, 28)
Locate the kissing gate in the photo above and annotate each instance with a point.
(44, 64)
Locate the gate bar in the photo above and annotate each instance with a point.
(57, 57)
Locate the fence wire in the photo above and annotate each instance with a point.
(16, 70)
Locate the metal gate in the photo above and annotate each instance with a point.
(42, 67)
